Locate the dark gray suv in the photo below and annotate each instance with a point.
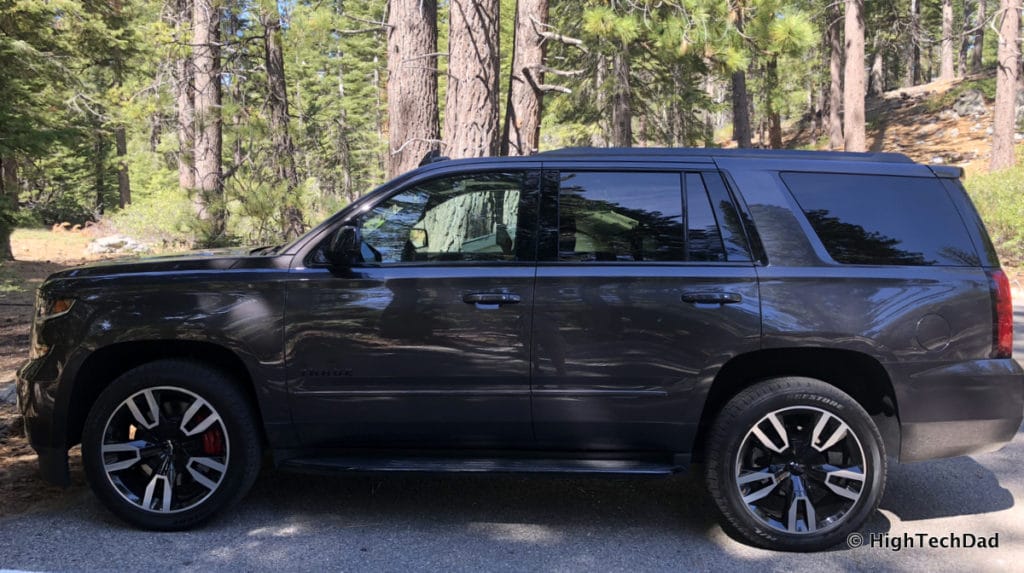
(793, 320)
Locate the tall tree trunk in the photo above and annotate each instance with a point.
(946, 71)
(979, 24)
(414, 128)
(525, 98)
(471, 109)
(99, 181)
(124, 187)
(740, 110)
(622, 110)
(771, 81)
(277, 102)
(1004, 116)
(970, 6)
(914, 45)
(876, 81)
(209, 197)
(835, 88)
(853, 78)
(740, 101)
(8, 204)
(599, 137)
(184, 98)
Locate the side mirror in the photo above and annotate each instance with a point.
(418, 238)
(345, 247)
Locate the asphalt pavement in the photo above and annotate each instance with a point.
(482, 523)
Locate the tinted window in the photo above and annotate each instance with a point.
(703, 238)
(461, 218)
(604, 216)
(880, 220)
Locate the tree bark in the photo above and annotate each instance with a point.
(599, 137)
(124, 188)
(184, 98)
(965, 37)
(771, 87)
(853, 78)
(277, 103)
(622, 111)
(740, 110)
(525, 98)
(1004, 115)
(740, 101)
(979, 26)
(876, 81)
(414, 128)
(8, 204)
(99, 181)
(209, 197)
(835, 89)
(946, 71)
(914, 46)
(471, 109)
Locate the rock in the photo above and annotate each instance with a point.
(937, 160)
(953, 132)
(1018, 136)
(989, 131)
(116, 244)
(970, 102)
(949, 114)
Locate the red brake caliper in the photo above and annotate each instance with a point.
(213, 442)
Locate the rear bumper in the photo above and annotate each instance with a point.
(954, 409)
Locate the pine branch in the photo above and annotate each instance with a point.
(545, 33)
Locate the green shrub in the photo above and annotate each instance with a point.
(999, 198)
(162, 219)
(945, 100)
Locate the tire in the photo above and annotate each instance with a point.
(171, 426)
(757, 485)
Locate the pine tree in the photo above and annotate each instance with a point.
(1004, 115)
(526, 79)
(209, 197)
(414, 126)
(471, 108)
(853, 78)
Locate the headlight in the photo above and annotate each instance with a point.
(53, 308)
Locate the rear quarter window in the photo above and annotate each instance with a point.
(883, 220)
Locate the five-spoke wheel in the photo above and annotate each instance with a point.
(169, 443)
(795, 464)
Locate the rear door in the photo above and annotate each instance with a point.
(645, 287)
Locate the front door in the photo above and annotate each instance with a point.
(425, 342)
(644, 289)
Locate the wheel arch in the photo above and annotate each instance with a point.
(855, 373)
(105, 364)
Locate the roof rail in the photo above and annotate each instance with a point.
(710, 152)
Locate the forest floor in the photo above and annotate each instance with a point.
(38, 253)
(920, 123)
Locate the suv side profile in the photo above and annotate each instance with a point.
(792, 320)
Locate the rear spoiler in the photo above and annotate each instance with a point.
(947, 171)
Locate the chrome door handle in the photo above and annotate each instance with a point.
(712, 297)
(491, 298)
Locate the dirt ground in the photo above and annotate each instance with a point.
(38, 254)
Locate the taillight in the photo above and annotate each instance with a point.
(1002, 315)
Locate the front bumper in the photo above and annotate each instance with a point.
(45, 419)
(954, 409)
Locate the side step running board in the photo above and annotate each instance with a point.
(477, 465)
